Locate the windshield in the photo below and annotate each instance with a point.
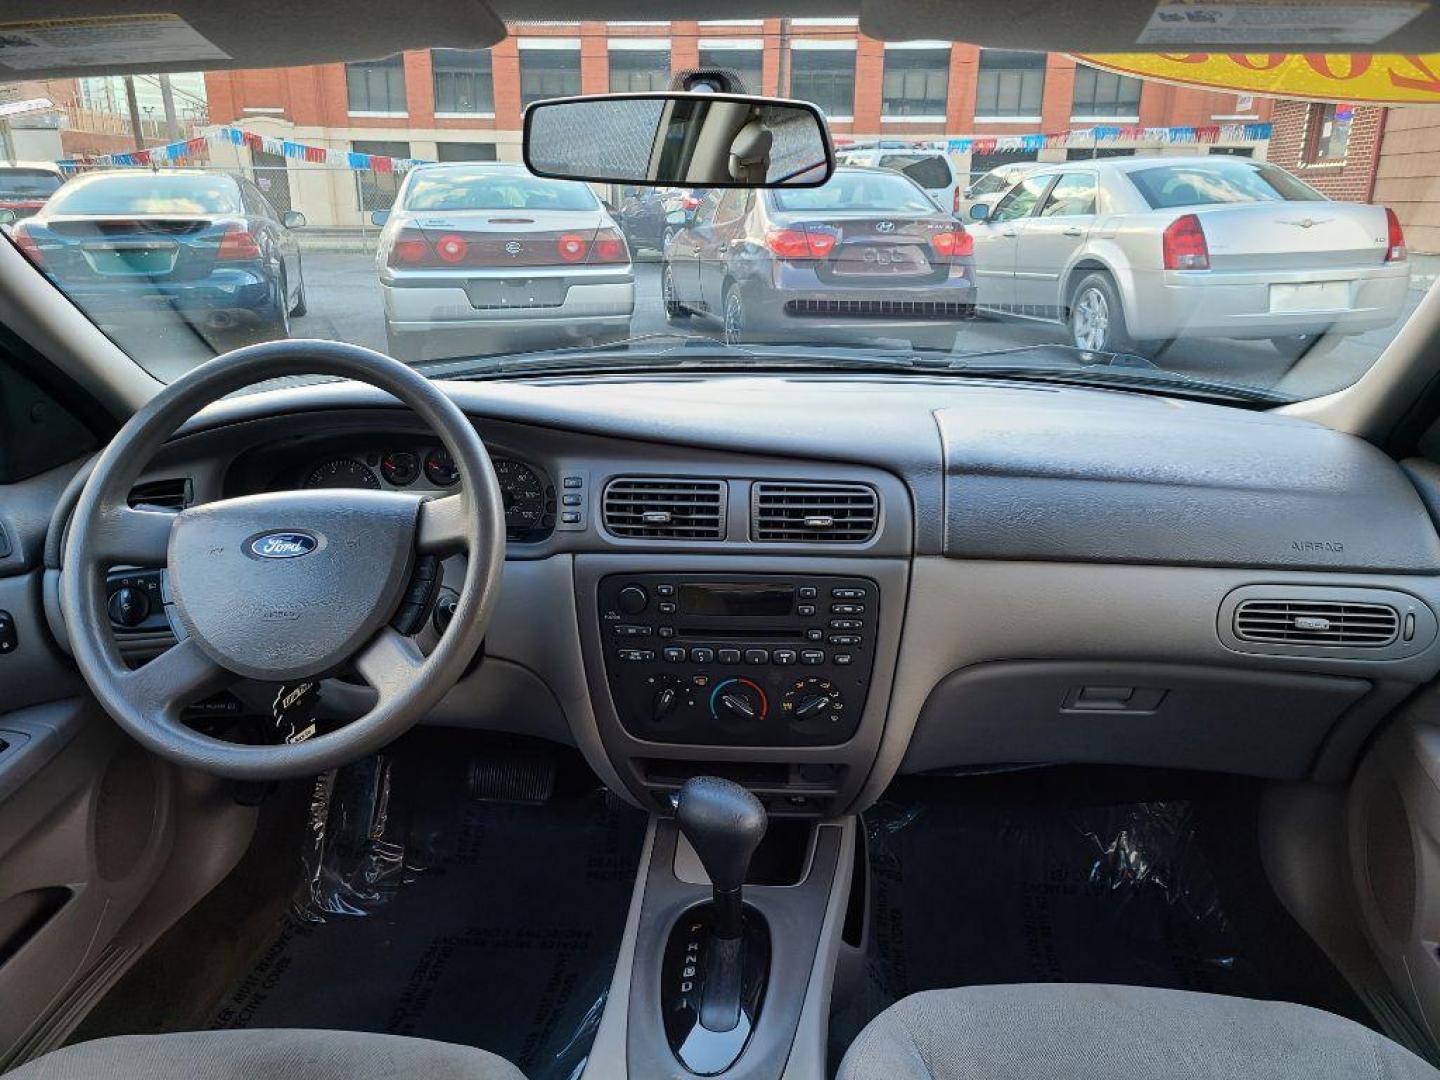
(1177, 220)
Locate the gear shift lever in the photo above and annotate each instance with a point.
(724, 824)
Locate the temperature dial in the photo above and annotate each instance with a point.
(813, 700)
(739, 699)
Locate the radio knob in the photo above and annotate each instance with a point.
(633, 599)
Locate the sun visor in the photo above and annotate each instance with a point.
(40, 39)
(1232, 26)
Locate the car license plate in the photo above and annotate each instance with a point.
(501, 293)
(881, 260)
(132, 260)
(1310, 296)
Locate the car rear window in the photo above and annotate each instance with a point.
(147, 194)
(927, 170)
(990, 183)
(475, 189)
(1207, 183)
(856, 191)
(15, 182)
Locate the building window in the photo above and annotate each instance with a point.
(1328, 138)
(465, 151)
(634, 71)
(825, 77)
(464, 83)
(743, 61)
(377, 190)
(1104, 93)
(1090, 153)
(377, 86)
(916, 83)
(549, 72)
(1010, 85)
(1234, 151)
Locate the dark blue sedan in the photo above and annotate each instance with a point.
(208, 246)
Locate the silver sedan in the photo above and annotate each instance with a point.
(1126, 251)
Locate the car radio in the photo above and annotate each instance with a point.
(738, 660)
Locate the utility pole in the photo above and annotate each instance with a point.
(167, 98)
(134, 106)
(782, 88)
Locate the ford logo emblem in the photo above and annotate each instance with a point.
(283, 545)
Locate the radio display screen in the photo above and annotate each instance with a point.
(744, 600)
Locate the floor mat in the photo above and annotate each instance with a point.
(431, 914)
(1057, 876)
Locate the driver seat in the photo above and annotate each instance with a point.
(291, 1054)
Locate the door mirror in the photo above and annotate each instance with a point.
(379, 217)
(293, 219)
(679, 140)
(8, 217)
(979, 211)
(679, 218)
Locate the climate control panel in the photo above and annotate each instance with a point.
(739, 660)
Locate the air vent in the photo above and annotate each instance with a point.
(1317, 622)
(174, 494)
(660, 508)
(798, 513)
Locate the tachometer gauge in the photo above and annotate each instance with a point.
(523, 492)
(400, 467)
(343, 473)
(439, 468)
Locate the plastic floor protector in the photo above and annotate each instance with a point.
(1046, 876)
(427, 912)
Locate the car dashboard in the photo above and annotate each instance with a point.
(813, 584)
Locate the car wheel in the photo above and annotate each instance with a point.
(301, 307)
(735, 318)
(1097, 318)
(674, 310)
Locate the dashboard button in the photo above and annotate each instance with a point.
(635, 655)
(667, 607)
(846, 624)
(844, 639)
(808, 592)
(847, 609)
(783, 656)
(848, 594)
(805, 609)
(702, 656)
(570, 500)
(674, 653)
(664, 590)
(667, 631)
(815, 634)
(631, 630)
(729, 656)
(570, 517)
(812, 656)
(574, 481)
(843, 659)
(757, 656)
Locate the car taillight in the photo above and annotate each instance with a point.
(237, 245)
(571, 247)
(409, 249)
(953, 242)
(1395, 243)
(26, 243)
(451, 248)
(800, 243)
(1183, 245)
(609, 247)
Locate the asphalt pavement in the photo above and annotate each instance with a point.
(343, 292)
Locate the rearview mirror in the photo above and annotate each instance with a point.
(679, 140)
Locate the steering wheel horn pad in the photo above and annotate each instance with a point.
(290, 585)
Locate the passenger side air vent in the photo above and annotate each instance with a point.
(800, 513)
(1317, 622)
(661, 508)
(174, 494)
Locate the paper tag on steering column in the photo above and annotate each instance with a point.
(294, 711)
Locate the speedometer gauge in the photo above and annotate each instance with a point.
(343, 473)
(523, 492)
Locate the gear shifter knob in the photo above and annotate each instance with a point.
(724, 824)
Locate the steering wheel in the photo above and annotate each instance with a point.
(284, 586)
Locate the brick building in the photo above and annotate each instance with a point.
(450, 105)
(1334, 148)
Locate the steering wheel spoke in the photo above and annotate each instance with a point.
(390, 663)
(443, 527)
(135, 537)
(177, 677)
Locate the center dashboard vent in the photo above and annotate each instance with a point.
(812, 513)
(1317, 622)
(665, 508)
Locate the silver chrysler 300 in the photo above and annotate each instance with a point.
(1128, 251)
(480, 258)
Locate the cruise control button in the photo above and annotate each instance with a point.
(702, 656)
(729, 656)
(783, 656)
(812, 656)
(674, 653)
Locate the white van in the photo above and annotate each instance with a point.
(931, 169)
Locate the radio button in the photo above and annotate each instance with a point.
(728, 656)
(846, 624)
(702, 656)
(664, 590)
(805, 609)
(635, 655)
(815, 634)
(667, 631)
(848, 594)
(631, 630)
(783, 656)
(844, 639)
(674, 653)
(808, 592)
(812, 656)
(847, 609)
(843, 659)
(667, 607)
(757, 656)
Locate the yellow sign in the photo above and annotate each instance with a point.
(1373, 78)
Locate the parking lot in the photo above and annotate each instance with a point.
(345, 305)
